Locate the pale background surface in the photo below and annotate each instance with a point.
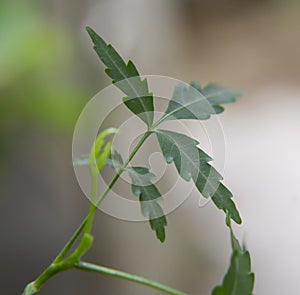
(252, 47)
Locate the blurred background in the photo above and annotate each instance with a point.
(48, 72)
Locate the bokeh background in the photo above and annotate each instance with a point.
(48, 72)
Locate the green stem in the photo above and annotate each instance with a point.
(129, 277)
(61, 263)
(52, 270)
(93, 207)
(94, 203)
(160, 120)
(62, 254)
(118, 174)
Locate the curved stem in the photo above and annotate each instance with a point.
(62, 254)
(93, 207)
(129, 277)
(61, 262)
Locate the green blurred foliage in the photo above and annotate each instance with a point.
(36, 83)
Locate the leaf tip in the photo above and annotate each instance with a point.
(90, 30)
(237, 218)
(162, 239)
(161, 235)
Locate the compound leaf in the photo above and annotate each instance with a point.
(191, 162)
(139, 100)
(149, 197)
(193, 102)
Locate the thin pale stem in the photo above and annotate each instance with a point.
(129, 277)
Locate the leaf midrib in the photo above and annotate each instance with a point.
(174, 143)
(106, 50)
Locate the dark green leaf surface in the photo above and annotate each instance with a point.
(239, 280)
(149, 197)
(180, 149)
(192, 162)
(126, 77)
(193, 102)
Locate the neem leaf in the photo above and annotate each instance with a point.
(139, 100)
(140, 176)
(193, 102)
(217, 94)
(180, 149)
(192, 162)
(208, 182)
(149, 197)
(239, 280)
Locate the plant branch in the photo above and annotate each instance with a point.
(62, 254)
(61, 262)
(129, 277)
(118, 174)
(93, 207)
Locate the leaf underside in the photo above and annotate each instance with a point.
(126, 77)
(191, 162)
(188, 102)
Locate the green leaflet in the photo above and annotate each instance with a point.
(180, 149)
(194, 102)
(114, 160)
(140, 176)
(126, 77)
(239, 280)
(208, 183)
(149, 197)
(99, 155)
(147, 192)
(217, 94)
(192, 162)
